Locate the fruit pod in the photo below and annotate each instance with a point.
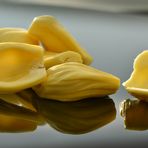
(53, 58)
(16, 118)
(22, 66)
(73, 81)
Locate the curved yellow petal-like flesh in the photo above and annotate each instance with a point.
(17, 35)
(55, 37)
(137, 84)
(54, 58)
(22, 66)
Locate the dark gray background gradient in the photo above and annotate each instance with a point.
(114, 40)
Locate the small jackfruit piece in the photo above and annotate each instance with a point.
(137, 84)
(77, 117)
(10, 124)
(73, 81)
(55, 37)
(54, 58)
(135, 114)
(17, 35)
(21, 66)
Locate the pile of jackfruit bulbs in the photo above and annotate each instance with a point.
(47, 59)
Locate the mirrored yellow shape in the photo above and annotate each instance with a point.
(135, 114)
(17, 100)
(12, 124)
(77, 117)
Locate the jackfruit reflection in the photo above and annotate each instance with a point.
(135, 114)
(77, 117)
(68, 117)
(16, 118)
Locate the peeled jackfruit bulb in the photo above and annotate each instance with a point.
(55, 37)
(54, 58)
(22, 66)
(17, 35)
(75, 81)
(137, 84)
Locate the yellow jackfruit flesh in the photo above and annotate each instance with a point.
(55, 37)
(54, 58)
(8, 29)
(16, 115)
(21, 36)
(19, 111)
(137, 84)
(22, 66)
(74, 81)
